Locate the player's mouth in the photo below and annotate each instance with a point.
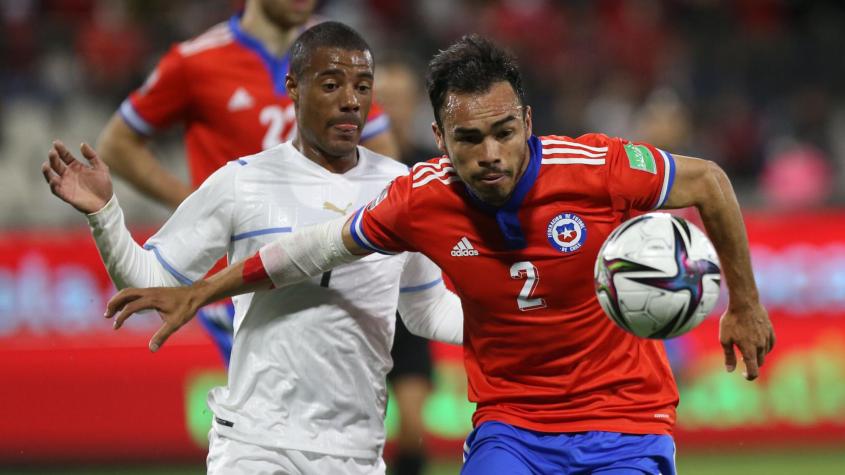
(346, 128)
(492, 178)
(345, 125)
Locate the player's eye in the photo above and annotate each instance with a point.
(364, 88)
(505, 134)
(329, 86)
(468, 139)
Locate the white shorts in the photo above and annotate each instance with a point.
(227, 457)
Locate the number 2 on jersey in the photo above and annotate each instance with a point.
(526, 270)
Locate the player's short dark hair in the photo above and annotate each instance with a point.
(329, 34)
(471, 65)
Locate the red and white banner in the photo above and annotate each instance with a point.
(75, 390)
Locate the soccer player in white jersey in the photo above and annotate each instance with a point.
(306, 391)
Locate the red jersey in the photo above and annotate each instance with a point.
(538, 349)
(230, 94)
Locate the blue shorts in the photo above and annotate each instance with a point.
(496, 447)
(218, 319)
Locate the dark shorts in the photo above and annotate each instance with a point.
(411, 354)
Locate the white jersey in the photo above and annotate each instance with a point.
(309, 361)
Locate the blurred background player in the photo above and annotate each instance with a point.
(227, 86)
(398, 87)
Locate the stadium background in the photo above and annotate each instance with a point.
(756, 85)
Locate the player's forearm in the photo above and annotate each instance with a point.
(435, 314)
(721, 215)
(127, 154)
(290, 259)
(128, 264)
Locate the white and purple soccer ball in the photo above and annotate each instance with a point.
(657, 276)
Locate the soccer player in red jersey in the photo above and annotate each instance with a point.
(227, 86)
(516, 221)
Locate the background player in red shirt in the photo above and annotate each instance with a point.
(516, 221)
(227, 87)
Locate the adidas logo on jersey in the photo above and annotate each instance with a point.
(464, 248)
(240, 100)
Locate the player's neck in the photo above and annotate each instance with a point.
(275, 39)
(333, 164)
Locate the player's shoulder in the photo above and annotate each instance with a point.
(592, 149)
(280, 155)
(434, 174)
(594, 142)
(207, 43)
(379, 164)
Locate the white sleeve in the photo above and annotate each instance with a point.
(200, 230)
(127, 263)
(426, 306)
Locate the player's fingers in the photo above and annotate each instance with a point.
(161, 336)
(749, 356)
(119, 300)
(49, 174)
(131, 308)
(771, 341)
(91, 155)
(730, 356)
(56, 163)
(761, 356)
(63, 152)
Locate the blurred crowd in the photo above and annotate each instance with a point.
(755, 85)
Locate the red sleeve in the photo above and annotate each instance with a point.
(640, 175)
(162, 99)
(377, 122)
(381, 225)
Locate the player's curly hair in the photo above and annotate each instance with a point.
(472, 64)
(329, 34)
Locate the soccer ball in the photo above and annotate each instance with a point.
(657, 276)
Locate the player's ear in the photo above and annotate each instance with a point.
(291, 88)
(528, 121)
(438, 138)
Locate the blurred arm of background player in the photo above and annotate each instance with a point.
(128, 155)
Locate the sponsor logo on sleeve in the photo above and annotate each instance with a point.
(640, 158)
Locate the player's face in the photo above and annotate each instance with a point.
(332, 99)
(287, 13)
(485, 134)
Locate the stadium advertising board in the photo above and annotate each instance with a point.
(78, 391)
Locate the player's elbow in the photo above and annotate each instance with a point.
(713, 184)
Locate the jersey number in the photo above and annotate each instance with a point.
(280, 125)
(526, 270)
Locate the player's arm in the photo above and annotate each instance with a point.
(426, 306)
(185, 248)
(89, 190)
(290, 259)
(128, 155)
(745, 324)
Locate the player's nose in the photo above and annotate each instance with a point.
(349, 100)
(491, 152)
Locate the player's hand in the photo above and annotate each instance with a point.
(85, 187)
(751, 331)
(174, 305)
